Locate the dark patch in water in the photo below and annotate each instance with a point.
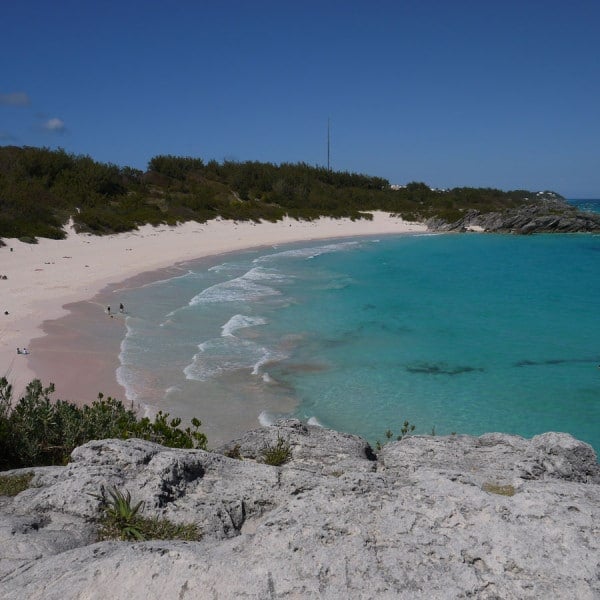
(554, 361)
(441, 369)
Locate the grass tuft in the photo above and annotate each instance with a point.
(11, 485)
(501, 490)
(121, 520)
(277, 454)
(234, 452)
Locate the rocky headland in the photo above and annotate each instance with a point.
(496, 516)
(547, 213)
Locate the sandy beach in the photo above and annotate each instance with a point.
(54, 278)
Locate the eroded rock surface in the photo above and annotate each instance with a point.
(431, 517)
(545, 215)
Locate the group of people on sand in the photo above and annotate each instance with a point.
(22, 351)
(121, 309)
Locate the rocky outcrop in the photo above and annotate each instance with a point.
(546, 215)
(497, 516)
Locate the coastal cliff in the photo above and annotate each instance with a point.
(496, 516)
(547, 214)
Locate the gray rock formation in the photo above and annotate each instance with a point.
(497, 516)
(548, 214)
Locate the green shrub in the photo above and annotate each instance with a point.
(26, 239)
(277, 454)
(168, 433)
(40, 431)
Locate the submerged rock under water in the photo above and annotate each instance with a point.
(555, 361)
(441, 369)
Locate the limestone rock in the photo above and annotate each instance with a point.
(545, 215)
(496, 516)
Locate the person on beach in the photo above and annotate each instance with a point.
(18, 350)
(121, 308)
(108, 309)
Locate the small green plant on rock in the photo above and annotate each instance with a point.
(121, 521)
(234, 452)
(406, 429)
(11, 485)
(277, 454)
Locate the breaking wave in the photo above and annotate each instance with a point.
(245, 288)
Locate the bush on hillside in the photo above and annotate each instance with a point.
(39, 431)
(40, 189)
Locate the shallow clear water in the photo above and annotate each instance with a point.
(464, 333)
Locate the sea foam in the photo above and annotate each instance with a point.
(307, 253)
(238, 322)
(240, 289)
(267, 419)
(228, 353)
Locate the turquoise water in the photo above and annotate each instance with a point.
(461, 333)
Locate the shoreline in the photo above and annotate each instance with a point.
(56, 290)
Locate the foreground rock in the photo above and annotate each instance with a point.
(547, 214)
(455, 517)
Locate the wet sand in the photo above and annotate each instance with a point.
(80, 352)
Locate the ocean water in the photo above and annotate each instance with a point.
(457, 333)
(587, 205)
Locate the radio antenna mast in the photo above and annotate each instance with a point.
(328, 144)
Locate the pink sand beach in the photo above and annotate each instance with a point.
(55, 292)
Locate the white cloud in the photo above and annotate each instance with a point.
(55, 125)
(15, 99)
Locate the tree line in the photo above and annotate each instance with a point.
(40, 189)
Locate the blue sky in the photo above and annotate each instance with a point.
(478, 93)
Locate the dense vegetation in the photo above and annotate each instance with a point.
(41, 188)
(37, 430)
